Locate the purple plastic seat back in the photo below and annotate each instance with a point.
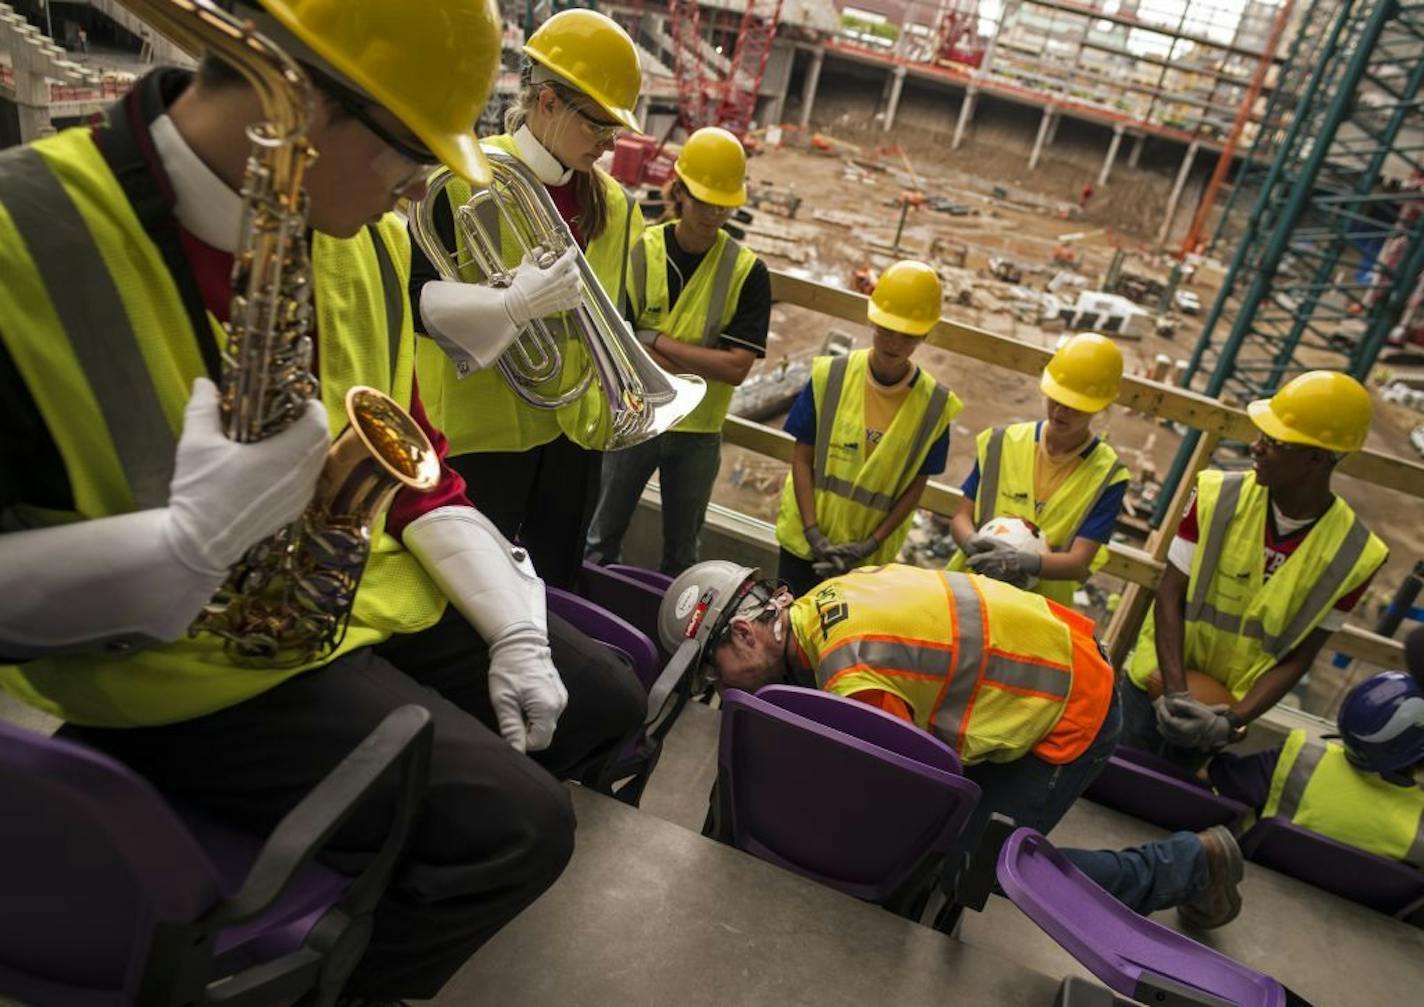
(653, 578)
(863, 722)
(595, 621)
(1388, 886)
(1158, 791)
(92, 858)
(847, 812)
(1124, 950)
(635, 601)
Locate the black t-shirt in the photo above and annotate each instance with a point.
(747, 329)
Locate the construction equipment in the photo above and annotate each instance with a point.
(863, 280)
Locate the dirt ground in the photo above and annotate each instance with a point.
(828, 252)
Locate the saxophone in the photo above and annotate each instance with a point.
(288, 600)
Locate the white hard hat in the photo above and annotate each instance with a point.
(693, 606)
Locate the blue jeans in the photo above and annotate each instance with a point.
(1037, 794)
(688, 464)
(1149, 877)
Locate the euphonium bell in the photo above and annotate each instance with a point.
(514, 217)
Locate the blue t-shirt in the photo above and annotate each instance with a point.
(1099, 525)
(801, 424)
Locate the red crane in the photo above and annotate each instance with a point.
(703, 100)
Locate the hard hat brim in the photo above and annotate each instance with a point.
(1270, 424)
(1066, 396)
(625, 116)
(717, 197)
(898, 323)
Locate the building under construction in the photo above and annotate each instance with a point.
(1232, 192)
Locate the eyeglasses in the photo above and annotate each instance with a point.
(1271, 444)
(597, 129)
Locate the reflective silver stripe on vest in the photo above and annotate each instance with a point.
(721, 287)
(93, 315)
(1027, 675)
(825, 426)
(1102, 489)
(393, 289)
(1311, 611)
(826, 420)
(884, 655)
(938, 399)
(1300, 773)
(639, 255)
(1226, 503)
(989, 475)
(969, 623)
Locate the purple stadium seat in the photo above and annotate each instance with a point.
(597, 622)
(863, 721)
(653, 578)
(633, 600)
(112, 898)
(1388, 886)
(1138, 958)
(1157, 791)
(840, 804)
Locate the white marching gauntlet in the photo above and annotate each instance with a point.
(494, 586)
(537, 292)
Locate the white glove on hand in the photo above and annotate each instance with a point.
(226, 497)
(494, 586)
(536, 292)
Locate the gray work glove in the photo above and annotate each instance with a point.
(820, 545)
(1012, 566)
(1178, 718)
(846, 557)
(979, 542)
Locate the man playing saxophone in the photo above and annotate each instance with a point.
(123, 504)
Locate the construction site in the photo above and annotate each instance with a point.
(1187, 177)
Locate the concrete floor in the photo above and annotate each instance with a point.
(649, 912)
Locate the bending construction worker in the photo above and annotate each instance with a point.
(123, 504)
(1366, 791)
(1013, 682)
(535, 472)
(1264, 567)
(1052, 473)
(870, 429)
(701, 304)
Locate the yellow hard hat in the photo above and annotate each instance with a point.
(907, 298)
(433, 68)
(713, 166)
(1084, 373)
(589, 51)
(1325, 409)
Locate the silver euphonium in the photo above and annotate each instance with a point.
(644, 400)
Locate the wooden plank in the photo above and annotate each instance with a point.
(1161, 400)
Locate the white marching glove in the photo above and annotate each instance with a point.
(226, 497)
(494, 586)
(121, 583)
(473, 323)
(538, 292)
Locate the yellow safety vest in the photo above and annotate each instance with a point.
(111, 371)
(704, 308)
(1238, 624)
(1006, 459)
(853, 492)
(478, 411)
(985, 667)
(1315, 787)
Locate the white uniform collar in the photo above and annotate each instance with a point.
(205, 206)
(544, 164)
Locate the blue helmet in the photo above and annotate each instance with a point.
(1382, 723)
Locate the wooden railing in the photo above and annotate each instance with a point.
(1141, 568)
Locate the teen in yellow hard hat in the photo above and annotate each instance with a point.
(702, 304)
(1054, 474)
(148, 503)
(1273, 561)
(870, 429)
(535, 472)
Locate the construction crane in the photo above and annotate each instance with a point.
(729, 102)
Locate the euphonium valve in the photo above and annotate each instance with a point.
(554, 360)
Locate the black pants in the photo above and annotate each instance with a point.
(543, 498)
(495, 829)
(797, 573)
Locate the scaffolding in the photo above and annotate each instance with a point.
(1334, 241)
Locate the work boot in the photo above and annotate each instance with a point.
(1220, 902)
